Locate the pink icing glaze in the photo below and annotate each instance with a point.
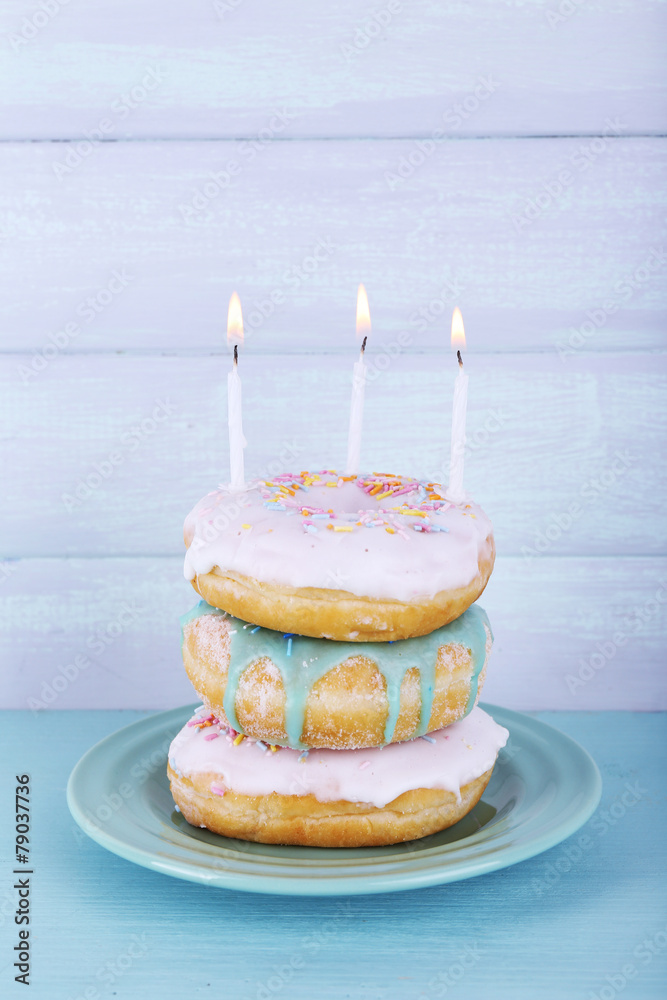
(417, 558)
(451, 758)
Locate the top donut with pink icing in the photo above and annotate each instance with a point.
(311, 529)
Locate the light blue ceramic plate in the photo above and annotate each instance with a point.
(543, 788)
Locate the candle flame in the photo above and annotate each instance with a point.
(234, 321)
(363, 313)
(458, 333)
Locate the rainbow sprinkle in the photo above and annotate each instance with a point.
(416, 502)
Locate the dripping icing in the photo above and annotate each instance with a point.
(310, 659)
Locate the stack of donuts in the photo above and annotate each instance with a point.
(339, 658)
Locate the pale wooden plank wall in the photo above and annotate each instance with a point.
(541, 438)
(539, 209)
(345, 68)
(460, 227)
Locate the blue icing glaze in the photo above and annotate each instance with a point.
(303, 661)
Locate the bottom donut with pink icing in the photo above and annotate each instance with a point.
(244, 788)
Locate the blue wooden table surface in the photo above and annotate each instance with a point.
(570, 923)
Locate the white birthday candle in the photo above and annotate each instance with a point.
(234, 398)
(455, 491)
(358, 387)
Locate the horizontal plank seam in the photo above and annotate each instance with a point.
(204, 352)
(481, 137)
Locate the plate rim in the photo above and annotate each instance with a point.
(359, 883)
